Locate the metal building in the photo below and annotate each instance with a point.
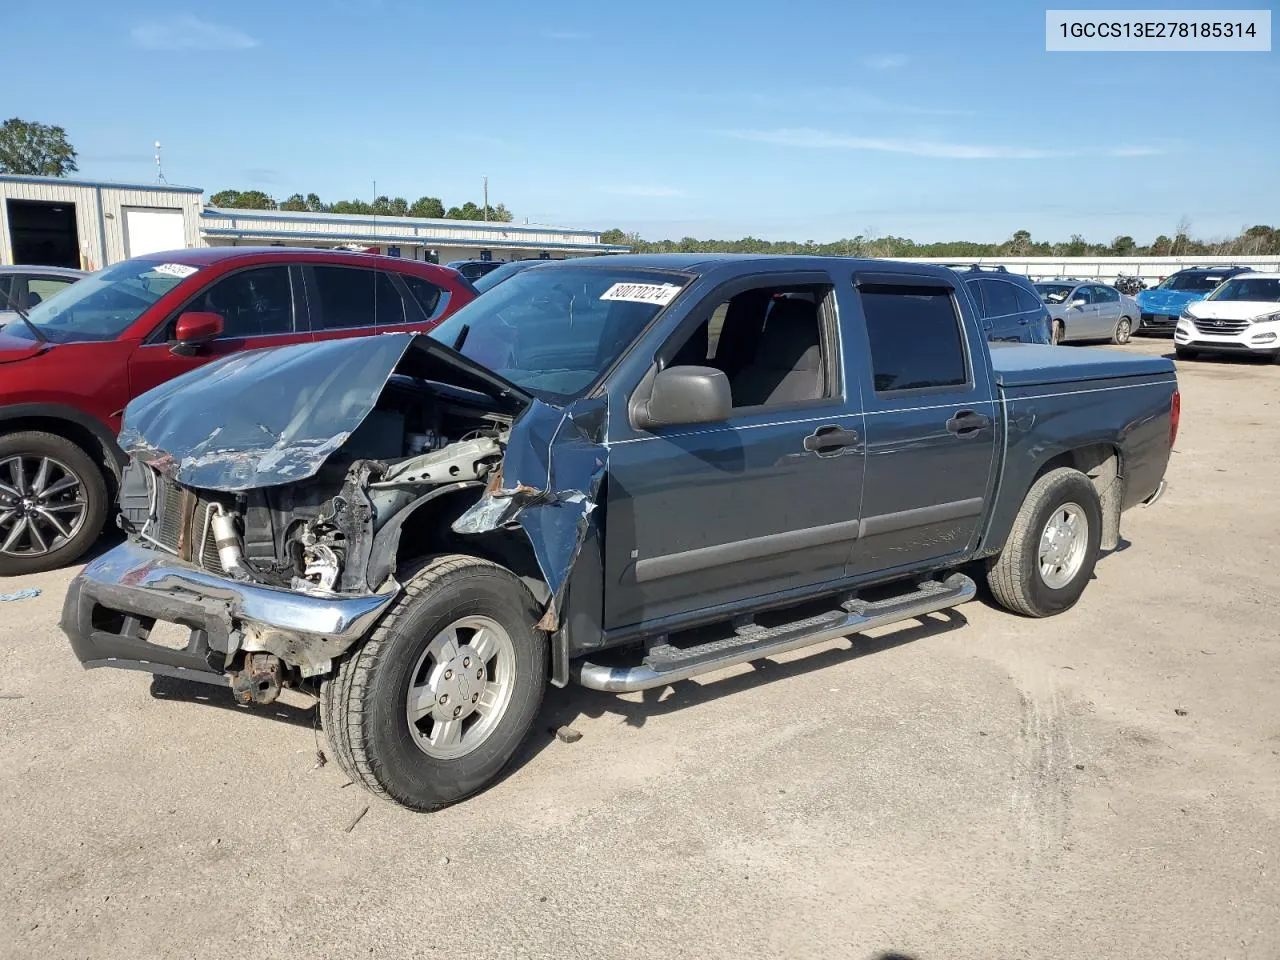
(92, 224)
(89, 224)
(416, 239)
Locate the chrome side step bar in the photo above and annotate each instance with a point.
(666, 664)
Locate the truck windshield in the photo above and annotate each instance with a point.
(1256, 289)
(1054, 292)
(554, 330)
(102, 306)
(1192, 282)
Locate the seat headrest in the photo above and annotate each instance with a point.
(790, 337)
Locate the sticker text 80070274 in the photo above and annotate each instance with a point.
(656, 293)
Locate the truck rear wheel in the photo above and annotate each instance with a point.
(1053, 546)
(435, 703)
(53, 502)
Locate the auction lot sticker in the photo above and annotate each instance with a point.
(175, 269)
(656, 293)
(1224, 31)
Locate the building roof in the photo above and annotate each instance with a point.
(368, 219)
(104, 184)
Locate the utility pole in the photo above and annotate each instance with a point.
(486, 199)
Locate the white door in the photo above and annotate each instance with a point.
(149, 231)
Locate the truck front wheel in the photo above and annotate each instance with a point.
(1053, 546)
(435, 703)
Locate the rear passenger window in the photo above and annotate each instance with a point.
(428, 295)
(1028, 302)
(355, 297)
(915, 337)
(1001, 297)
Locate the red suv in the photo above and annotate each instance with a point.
(67, 372)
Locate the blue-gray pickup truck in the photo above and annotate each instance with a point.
(623, 471)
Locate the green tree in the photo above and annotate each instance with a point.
(1123, 246)
(429, 207)
(1020, 243)
(242, 200)
(351, 206)
(1161, 246)
(35, 149)
(314, 205)
(614, 236)
(499, 214)
(297, 203)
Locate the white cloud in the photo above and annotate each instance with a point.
(821, 139)
(566, 35)
(885, 61)
(644, 190)
(187, 32)
(807, 138)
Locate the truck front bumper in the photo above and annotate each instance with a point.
(115, 603)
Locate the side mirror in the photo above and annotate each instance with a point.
(686, 395)
(1077, 303)
(194, 329)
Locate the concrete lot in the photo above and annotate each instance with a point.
(1101, 784)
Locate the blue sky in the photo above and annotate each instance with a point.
(798, 120)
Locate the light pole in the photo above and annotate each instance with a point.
(486, 199)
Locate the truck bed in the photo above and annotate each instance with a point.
(1032, 364)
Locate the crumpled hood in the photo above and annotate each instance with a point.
(269, 417)
(14, 347)
(1167, 301)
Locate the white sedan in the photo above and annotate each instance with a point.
(1241, 316)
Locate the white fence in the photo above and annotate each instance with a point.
(1150, 269)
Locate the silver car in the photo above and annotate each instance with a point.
(25, 286)
(1087, 310)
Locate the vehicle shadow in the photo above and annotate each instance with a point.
(562, 707)
(209, 695)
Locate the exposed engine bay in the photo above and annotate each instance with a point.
(317, 535)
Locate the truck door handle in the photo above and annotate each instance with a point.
(830, 440)
(967, 423)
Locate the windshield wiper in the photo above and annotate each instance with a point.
(12, 303)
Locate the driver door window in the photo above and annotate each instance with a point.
(770, 342)
(252, 303)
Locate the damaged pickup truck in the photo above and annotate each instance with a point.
(623, 472)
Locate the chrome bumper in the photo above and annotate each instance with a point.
(112, 606)
(1164, 485)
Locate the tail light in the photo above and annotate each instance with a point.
(1175, 415)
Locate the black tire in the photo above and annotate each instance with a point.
(1014, 576)
(1182, 353)
(1056, 330)
(1123, 332)
(36, 444)
(363, 701)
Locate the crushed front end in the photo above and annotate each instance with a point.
(265, 502)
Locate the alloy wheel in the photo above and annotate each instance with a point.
(42, 505)
(462, 684)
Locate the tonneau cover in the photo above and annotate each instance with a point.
(1029, 364)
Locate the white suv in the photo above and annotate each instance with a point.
(1241, 316)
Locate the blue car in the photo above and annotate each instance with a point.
(1161, 306)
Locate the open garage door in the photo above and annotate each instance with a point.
(151, 230)
(43, 233)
